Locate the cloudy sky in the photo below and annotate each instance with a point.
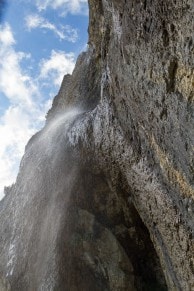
(39, 43)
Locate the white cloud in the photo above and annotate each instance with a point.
(56, 66)
(66, 6)
(15, 130)
(17, 86)
(14, 83)
(16, 125)
(25, 114)
(6, 36)
(63, 32)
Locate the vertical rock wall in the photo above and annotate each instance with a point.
(146, 49)
(104, 196)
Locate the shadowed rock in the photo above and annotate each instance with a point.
(104, 195)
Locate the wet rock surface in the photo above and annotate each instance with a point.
(104, 196)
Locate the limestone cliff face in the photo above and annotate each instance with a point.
(104, 196)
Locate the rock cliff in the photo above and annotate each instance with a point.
(104, 198)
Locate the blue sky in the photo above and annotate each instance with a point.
(39, 43)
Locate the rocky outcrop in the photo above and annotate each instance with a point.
(104, 196)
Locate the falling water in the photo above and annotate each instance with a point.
(43, 189)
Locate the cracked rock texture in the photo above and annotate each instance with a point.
(104, 198)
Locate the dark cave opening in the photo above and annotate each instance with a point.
(113, 210)
(139, 247)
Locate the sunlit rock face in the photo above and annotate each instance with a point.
(104, 196)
